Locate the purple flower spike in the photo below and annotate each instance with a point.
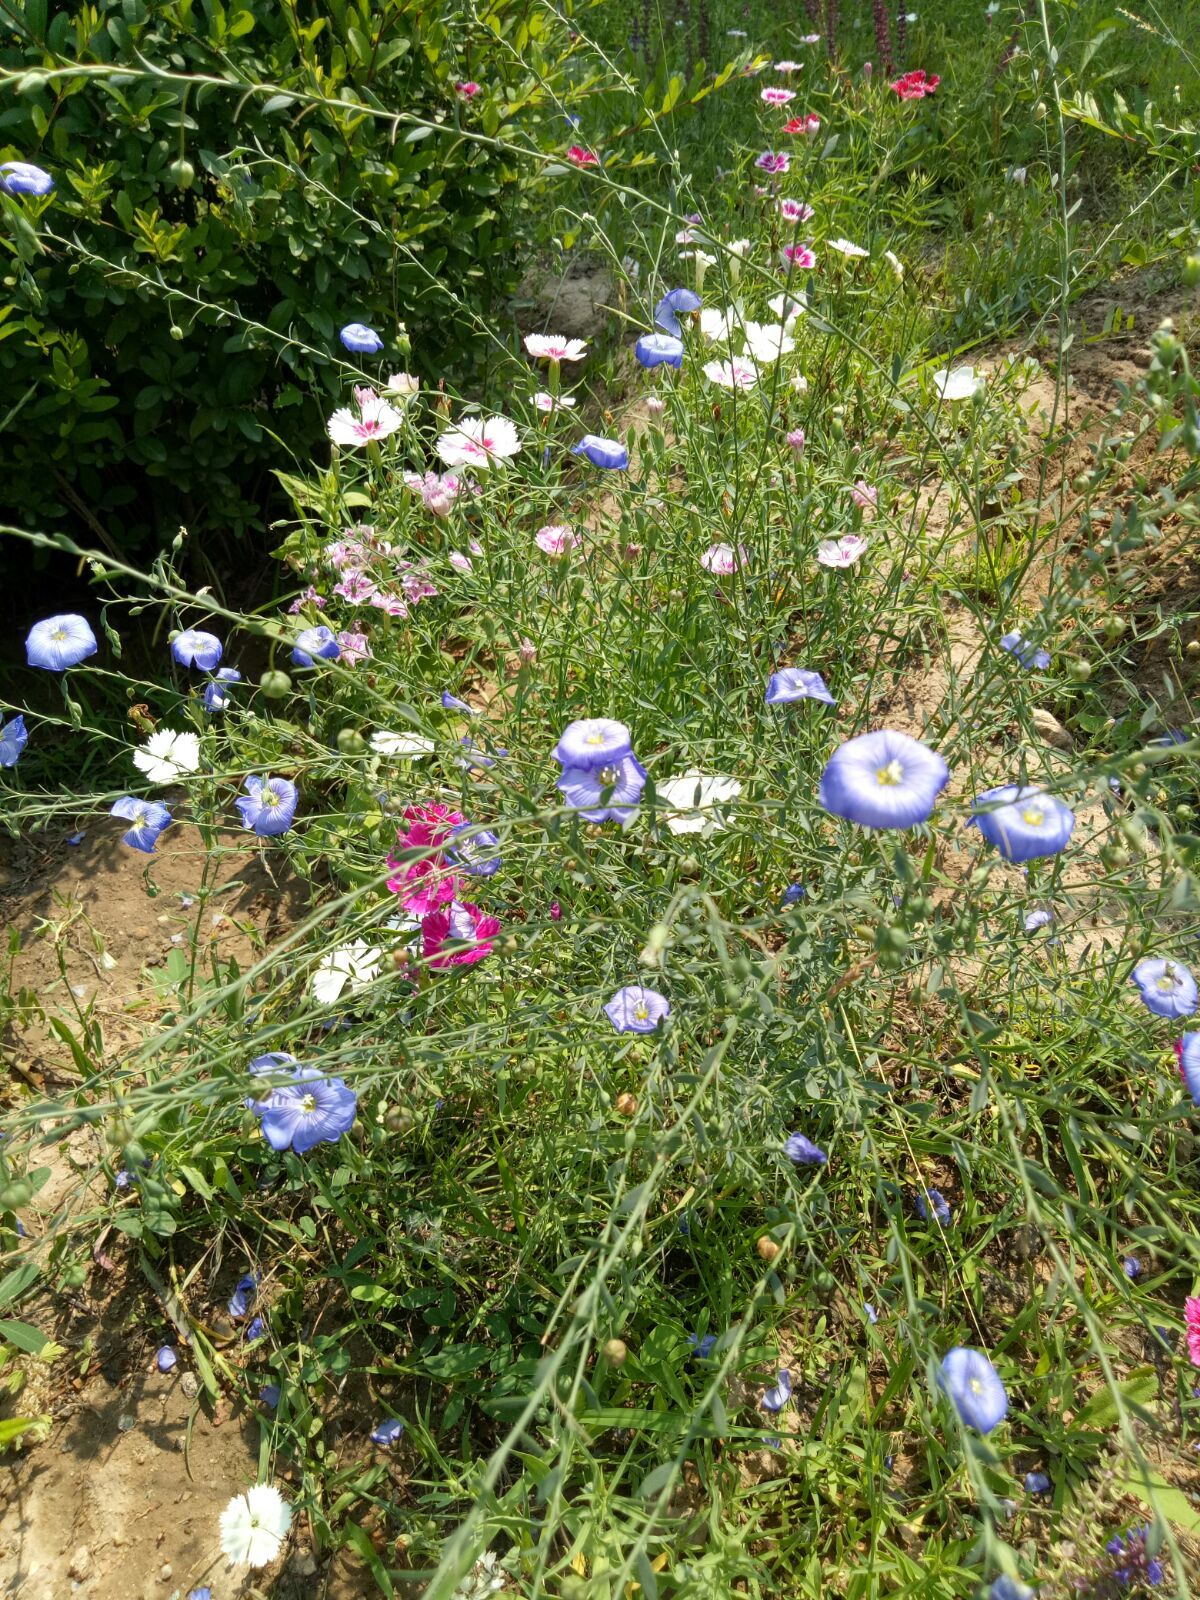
(974, 1387)
(636, 1010)
(1022, 822)
(883, 780)
(797, 683)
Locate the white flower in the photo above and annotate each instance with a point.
(800, 383)
(254, 1526)
(693, 795)
(552, 347)
(166, 756)
(788, 66)
(408, 746)
(738, 247)
(356, 964)
(735, 374)
(549, 402)
(846, 248)
(894, 262)
(376, 420)
(959, 383)
(767, 341)
(485, 1578)
(477, 442)
(788, 307)
(717, 325)
(402, 386)
(702, 256)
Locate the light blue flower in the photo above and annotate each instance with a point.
(676, 300)
(13, 739)
(149, 818)
(268, 806)
(474, 850)
(244, 1295)
(216, 696)
(1038, 919)
(701, 1347)
(775, 1399)
(659, 349)
(22, 177)
(360, 339)
(941, 1207)
(804, 1152)
(872, 1314)
(387, 1432)
(797, 683)
(637, 1010)
(1023, 822)
(166, 1359)
(883, 780)
(312, 643)
(311, 1110)
(1167, 987)
(255, 1330)
(593, 742)
(794, 893)
(1027, 654)
(1037, 1482)
(196, 648)
(1132, 1268)
(1006, 1588)
(600, 452)
(60, 642)
(605, 794)
(269, 1395)
(974, 1387)
(1188, 1050)
(453, 703)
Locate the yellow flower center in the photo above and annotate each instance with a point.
(976, 1386)
(1034, 816)
(609, 776)
(59, 635)
(1167, 982)
(890, 775)
(269, 797)
(308, 1104)
(594, 738)
(641, 1011)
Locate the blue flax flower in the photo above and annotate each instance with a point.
(666, 311)
(1038, 919)
(1006, 1588)
(883, 780)
(605, 794)
(1027, 654)
(1131, 1267)
(941, 1207)
(610, 453)
(1188, 1051)
(60, 642)
(453, 703)
(872, 1314)
(974, 1386)
(797, 683)
(13, 739)
(255, 1330)
(701, 1347)
(1022, 822)
(775, 1399)
(312, 643)
(202, 1593)
(268, 806)
(804, 1152)
(593, 742)
(216, 695)
(196, 648)
(148, 817)
(360, 340)
(387, 1432)
(636, 1010)
(1037, 1482)
(310, 1111)
(793, 893)
(1167, 987)
(269, 1395)
(166, 1358)
(474, 850)
(659, 349)
(22, 177)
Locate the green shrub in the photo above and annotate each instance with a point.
(234, 183)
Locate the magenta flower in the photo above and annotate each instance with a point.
(723, 558)
(916, 85)
(795, 211)
(458, 936)
(806, 125)
(777, 97)
(773, 161)
(799, 256)
(795, 441)
(843, 552)
(469, 89)
(580, 157)
(307, 597)
(864, 494)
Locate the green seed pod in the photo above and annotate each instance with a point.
(351, 743)
(275, 685)
(182, 173)
(615, 1352)
(1078, 670)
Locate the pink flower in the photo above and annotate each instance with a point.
(778, 97)
(460, 562)
(438, 492)
(773, 161)
(344, 553)
(552, 347)
(1191, 1312)
(843, 552)
(580, 157)
(355, 587)
(807, 125)
(864, 494)
(916, 85)
(551, 402)
(723, 558)
(417, 586)
(794, 211)
(375, 421)
(800, 257)
(424, 885)
(527, 652)
(555, 911)
(735, 374)
(465, 925)
(788, 67)
(469, 89)
(310, 597)
(478, 442)
(354, 648)
(556, 539)
(795, 441)
(390, 604)
(655, 406)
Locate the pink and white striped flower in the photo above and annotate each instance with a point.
(479, 442)
(864, 494)
(356, 587)
(556, 539)
(723, 558)
(553, 402)
(438, 491)
(735, 374)
(552, 347)
(799, 256)
(795, 211)
(375, 421)
(843, 552)
(777, 97)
